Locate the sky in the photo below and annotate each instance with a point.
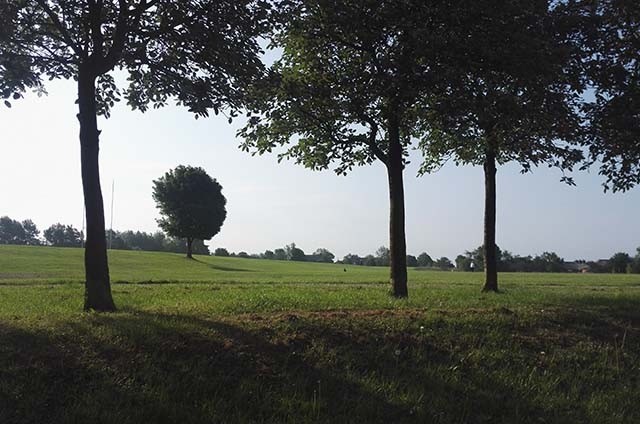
(271, 204)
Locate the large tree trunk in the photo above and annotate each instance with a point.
(97, 286)
(397, 243)
(490, 259)
(189, 248)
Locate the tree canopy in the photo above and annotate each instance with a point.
(191, 204)
(610, 34)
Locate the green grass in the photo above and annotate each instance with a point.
(242, 340)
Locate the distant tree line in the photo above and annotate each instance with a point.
(60, 235)
(290, 252)
(619, 263)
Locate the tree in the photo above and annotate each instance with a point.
(346, 91)
(634, 265)
(424, 260)
(412, 261)
(352, 259)
(443, 263)
(268, 254)
(200, 52)
(294, 253)
(513, 94)
(31, 233)
(549, 262)
(610, 32)
(11, 231)
(59, 235)
(369, 260)
(191, 204)
(221, 251)
(322, 255)
(383, 256)
(280, 255)
(619, 262)
(463, 263)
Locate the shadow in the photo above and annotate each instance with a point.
(338, 366)
(222, 268)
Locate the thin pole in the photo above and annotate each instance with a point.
(113, 183)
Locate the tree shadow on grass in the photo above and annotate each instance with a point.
(342, 367)
(223, 268)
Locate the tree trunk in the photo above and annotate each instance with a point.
(397, 243)
(97, 295)
(189, 248)
(490, 259)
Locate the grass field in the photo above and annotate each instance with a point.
(244, 340)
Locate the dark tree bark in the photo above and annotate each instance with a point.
(97, 285)
(490, 260)
(189, 248)
(397, 242)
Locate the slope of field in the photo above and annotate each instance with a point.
(242, 340)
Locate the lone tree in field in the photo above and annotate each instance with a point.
(513, 94)
(344, 94)
(191, 204)
(202, 53)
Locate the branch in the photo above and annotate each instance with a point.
(119, 39)
(63, 31)
(95, 11)
(371, 142)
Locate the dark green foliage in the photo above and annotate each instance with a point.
(370, 260)
(610, 31)
(63, 236)
(31, 233)
(294, 253)
(463, 263)
(443, 263)
(619, 262)
(412, 261)
(321, 255)
(510, 88)
(424, 260)
(11, 231)
(280, 254)
(190, 202)
(352, 259)
(634, 265)
(221, 251)
(202, 53)
(383, 256)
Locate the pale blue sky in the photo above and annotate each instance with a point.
(271, 204)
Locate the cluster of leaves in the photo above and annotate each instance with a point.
(60, 235)
(346, 68)
(16, 232)
(610, 35)
(202, 53)
(511, 89)
(290, 252)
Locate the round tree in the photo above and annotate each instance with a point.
(191, 204)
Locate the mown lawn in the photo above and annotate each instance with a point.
(241, 340)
